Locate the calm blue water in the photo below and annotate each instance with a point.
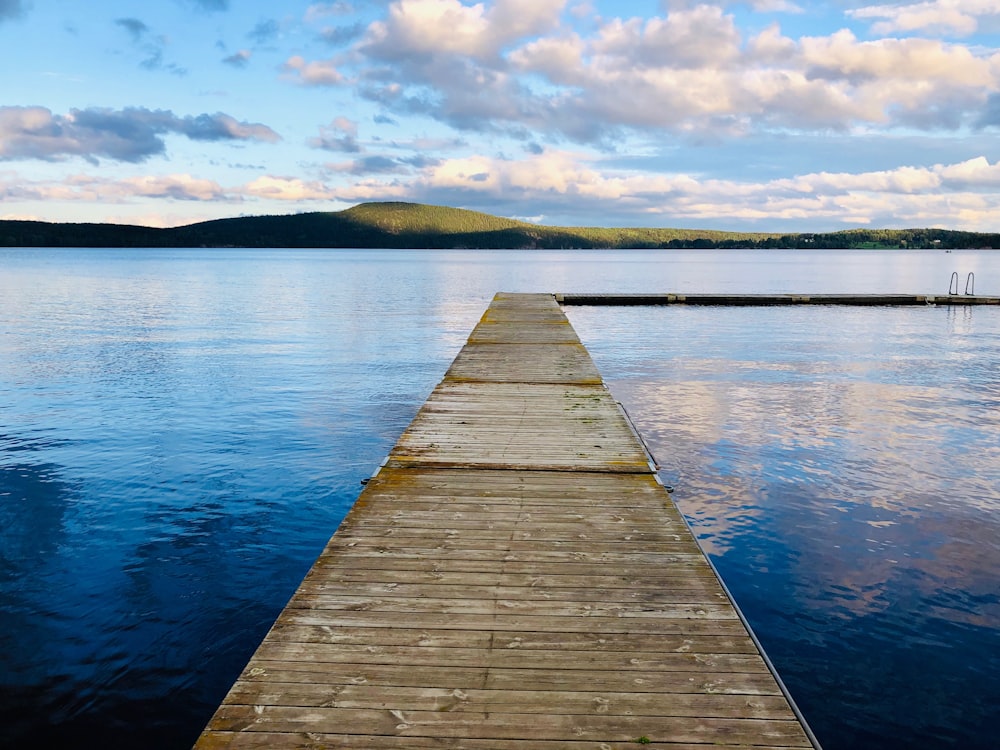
(181, 431)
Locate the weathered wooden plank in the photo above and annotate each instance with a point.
(520, 529)
(661, 682)
(266, 740)
(584, 546)
(525, 363)
(657, 610)
(515, 577)
(483, 725)
(706, 591)
(517, 426)
(509, 656)
(682, 580)
(501, 513)
(499, 334)
(334, 565)
(507, 622)
(544, 488)
(568, 553)
(717, 705)
(400, 635)
(420, 521)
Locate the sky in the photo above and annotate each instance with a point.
(759, 115)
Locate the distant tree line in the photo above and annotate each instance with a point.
(408, 225)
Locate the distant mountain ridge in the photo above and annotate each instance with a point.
(419, 226)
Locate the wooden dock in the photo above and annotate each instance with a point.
(767, 300)
(514, 576)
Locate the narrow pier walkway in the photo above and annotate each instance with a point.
(767, 300)
(513, 577)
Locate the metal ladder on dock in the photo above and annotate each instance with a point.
(970, 284)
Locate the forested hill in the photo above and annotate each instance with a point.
(411, 225)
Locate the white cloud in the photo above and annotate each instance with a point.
(287, 189)
(339, 135)
(427, 28)
(129, 135)
(87, 188)
(690, 71)
(776, 6)
(517, 19)
(177, 187)
(843, 57)
(960, 17)
(697, 38)
(971, 174)
(961, 195)
(901, 180)
(560, 59)
(317, 73)
(770, 47)
(955, 195)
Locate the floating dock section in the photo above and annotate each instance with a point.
(763, 300)
(514, 576)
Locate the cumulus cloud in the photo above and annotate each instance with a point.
(316, 73)
(222, 127)
(973, 174)
(960, 17)
(841, 56)
(176, 187)
(173, 187)
(339, 135)
(127, 135)
(675, 42)
(775, 6)
(429, 28)
(87, 188)
(508, 66)
(571, 184)
(560, 183)
(288, 189)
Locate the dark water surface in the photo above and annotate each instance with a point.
(181, 431)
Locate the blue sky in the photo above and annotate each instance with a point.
(778, 115)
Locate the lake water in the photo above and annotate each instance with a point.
(182, 430)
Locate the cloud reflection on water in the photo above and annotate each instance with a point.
(873, 475)
(842, 469)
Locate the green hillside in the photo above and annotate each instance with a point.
(412, 225)
(417, 218)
